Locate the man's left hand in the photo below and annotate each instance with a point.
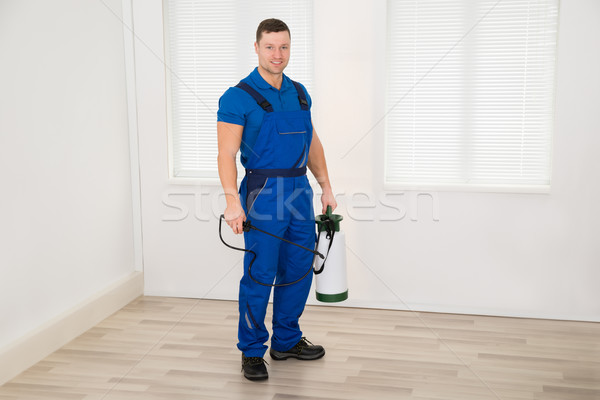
(328, 199)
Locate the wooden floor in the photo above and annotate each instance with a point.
(169, 348)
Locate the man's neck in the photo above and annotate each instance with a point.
(274, 80)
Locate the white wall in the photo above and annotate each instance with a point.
(487, 253)
(66, 230)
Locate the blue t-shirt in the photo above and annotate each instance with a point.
(238, 107)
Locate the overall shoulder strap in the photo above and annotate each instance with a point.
(301, 96)
(256, 96)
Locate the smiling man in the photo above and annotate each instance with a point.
(267, 117)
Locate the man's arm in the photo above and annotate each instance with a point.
(230, 138)
(317, 165)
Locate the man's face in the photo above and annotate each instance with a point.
(273, 51)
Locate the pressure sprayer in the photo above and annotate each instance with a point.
(330, 269)
(331, 279)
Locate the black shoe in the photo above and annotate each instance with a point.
(303, 350)
(254, 368)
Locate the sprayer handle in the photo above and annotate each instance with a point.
(329, 211)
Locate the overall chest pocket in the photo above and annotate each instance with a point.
(292, 126)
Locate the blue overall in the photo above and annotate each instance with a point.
(277, 198)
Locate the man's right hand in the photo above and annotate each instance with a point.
(235, 217)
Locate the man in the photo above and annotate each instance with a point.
(267, 117)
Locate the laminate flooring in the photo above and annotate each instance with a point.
(175, 348)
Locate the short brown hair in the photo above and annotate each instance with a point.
(271, 25)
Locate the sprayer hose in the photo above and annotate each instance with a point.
(254, 257)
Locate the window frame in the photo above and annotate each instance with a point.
(172, 178)
(541, 188)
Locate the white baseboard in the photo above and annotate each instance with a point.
(463, 310)
(53, 334)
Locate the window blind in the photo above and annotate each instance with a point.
(210, 47)
(470, 92)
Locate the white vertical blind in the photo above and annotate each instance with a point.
(470, 92)
(210, 48)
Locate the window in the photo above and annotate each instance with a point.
(470, 92)
(209, 46)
